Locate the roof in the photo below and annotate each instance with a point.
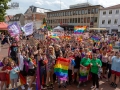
(34, 9)
(16, 17)
(78, 8)
(3, 26)
(112, 7)
(8, 17)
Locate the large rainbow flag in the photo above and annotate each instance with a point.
(61, 68)
(79, 29)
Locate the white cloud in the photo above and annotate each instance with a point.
(57, 3)
(39, 2)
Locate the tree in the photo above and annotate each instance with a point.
(44, 21)
(3, 8)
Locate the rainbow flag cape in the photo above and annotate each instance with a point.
(61, 68)
(95, 38)
(79, 29)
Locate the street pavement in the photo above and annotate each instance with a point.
(103, 84)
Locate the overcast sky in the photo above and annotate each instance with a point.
(55, 4)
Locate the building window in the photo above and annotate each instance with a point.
(96, 10)
(95, 19)
(88, 20)
(89, 11)
(78, 20)
(83, 12)
(86, 11)
(103, 21)
(71, 13)
(79, 12)
(110, 12)
(81, 20)
(85, 20)
(76, 12)
(93, 11)
(117, 11)
(109, 21)
(116, 20)
(70, 20)
(104, 12)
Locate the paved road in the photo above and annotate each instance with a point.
(103, 84)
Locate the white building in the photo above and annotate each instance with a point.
(35, 15)
(110, 18)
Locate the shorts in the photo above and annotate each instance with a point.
(115, 72)
(76, 70)
(31, 72)
(104, 64)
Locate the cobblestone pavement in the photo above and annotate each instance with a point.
(103, 84)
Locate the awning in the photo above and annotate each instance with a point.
(3, 26)
(97, 29)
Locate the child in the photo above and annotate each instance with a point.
(14, 75)
(3, 73)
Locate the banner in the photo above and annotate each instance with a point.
(39, 36)
(28, 29)
(14, 29)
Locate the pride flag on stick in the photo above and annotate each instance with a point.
(95, 38)
(61, 68)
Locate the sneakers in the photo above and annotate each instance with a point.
(115, 85)
(22, 87)
(112, 84)
(92, 87)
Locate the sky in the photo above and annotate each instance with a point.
(55, 4)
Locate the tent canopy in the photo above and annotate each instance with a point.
(3, 26)
(58, 28)
(97, 29)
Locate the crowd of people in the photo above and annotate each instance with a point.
(92, 61)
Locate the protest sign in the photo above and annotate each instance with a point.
(14, 29)
(39, 36)
(28, 29)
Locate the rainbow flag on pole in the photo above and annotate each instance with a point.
(95, 38)
(79, 29)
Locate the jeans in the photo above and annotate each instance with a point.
(42, 74)
(109, 73)
(95, 80)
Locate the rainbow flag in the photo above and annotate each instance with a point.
(44, 26)
(61, 68)
(79, 29)
(54, 37)
(95, 38)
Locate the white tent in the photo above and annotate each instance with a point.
(58, 29)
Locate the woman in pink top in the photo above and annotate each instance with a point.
(104, 63)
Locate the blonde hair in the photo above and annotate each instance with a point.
(53, 50)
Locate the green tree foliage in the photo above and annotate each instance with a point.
(44, 21)
(3, 8)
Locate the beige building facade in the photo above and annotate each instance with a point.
(85, 15)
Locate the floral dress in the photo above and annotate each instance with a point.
(51, 62)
